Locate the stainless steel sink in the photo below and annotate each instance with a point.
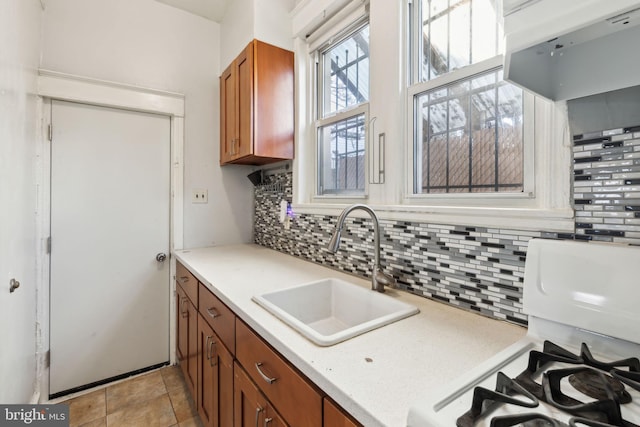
(330, 311)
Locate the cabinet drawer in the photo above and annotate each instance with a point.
(298, 402)
(188, 282)
(218, 316)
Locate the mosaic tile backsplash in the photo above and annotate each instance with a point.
(475, 268)
(607, 185)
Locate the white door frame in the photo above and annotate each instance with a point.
(66, 87)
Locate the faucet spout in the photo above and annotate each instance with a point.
(379, 279)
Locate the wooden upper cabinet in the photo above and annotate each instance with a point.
(256, 106)
(228, 127)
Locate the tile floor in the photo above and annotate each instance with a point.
(157, 399)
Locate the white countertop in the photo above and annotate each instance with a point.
(375, 376)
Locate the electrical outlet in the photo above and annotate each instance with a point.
(200, 195)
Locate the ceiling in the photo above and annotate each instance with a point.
(210, 9)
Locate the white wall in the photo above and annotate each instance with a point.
(146, 43)
(236, 30)
(20, 28)
(245, 20)
(272, 23)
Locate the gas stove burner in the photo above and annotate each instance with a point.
(598, 385)
(605, 410)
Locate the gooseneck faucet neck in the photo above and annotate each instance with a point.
(378, 278)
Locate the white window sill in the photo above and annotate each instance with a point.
(558, 220)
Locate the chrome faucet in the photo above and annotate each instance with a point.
(379, 279)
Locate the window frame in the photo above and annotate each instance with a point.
(415, 88)
(481, 198)
(321, 120)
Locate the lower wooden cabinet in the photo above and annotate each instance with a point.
(187, 338)
(295, 398)
(335, 417)
(251, 408)
(234, 376)
(215, 379)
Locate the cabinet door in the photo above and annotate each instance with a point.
(191, 371)
(207, 384)
(187, 340)
(228, 114)
(182, 323)
(251, 409)
(215, 383)
(244, 122)
(225, 386)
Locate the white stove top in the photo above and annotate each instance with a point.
(575, 293)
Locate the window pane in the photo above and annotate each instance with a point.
(341, 156)
(485, 37)
(456, 33)
(459, 31)
(435, 47)
(345, 73)
(469, 137)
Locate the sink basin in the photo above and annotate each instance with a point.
(330, 311)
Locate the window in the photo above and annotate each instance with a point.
(343, 96)
(468, 124)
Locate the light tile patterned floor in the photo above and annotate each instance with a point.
(156, 399)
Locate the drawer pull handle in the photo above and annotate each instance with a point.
(183, 279)
(258, 410)
(264, 377)
(212, 359)
(212, 312)
(208, 347)
(184, 311)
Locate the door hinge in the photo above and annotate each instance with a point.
(49, 244)
(50, 133)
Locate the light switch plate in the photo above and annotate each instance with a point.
(200, 195)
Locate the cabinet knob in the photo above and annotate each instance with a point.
(160, 257)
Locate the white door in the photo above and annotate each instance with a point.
(110, 201)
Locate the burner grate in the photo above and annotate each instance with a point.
(632, 379)
(506, 388)
(591, 379)
(605, 410)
